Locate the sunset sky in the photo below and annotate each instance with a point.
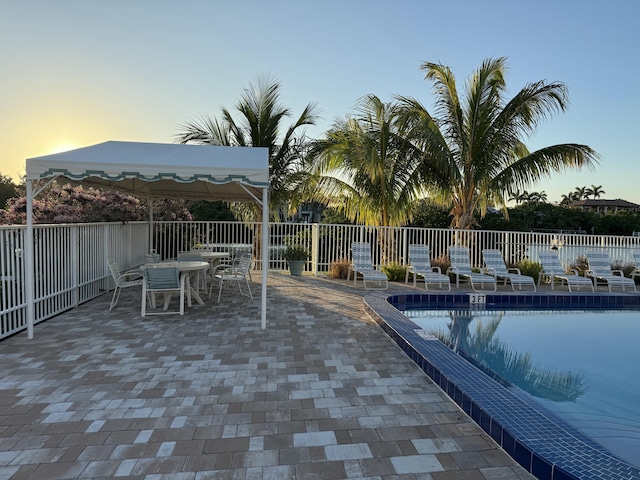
(76, 73)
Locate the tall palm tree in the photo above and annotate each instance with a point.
(362, 171)
(473, 149)
(580, 193)
(594, 191)
(260, 124)
(519, 196)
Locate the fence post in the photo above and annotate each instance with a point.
(315, 248)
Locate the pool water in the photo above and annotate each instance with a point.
(582, 365)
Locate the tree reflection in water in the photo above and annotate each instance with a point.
(515, 367)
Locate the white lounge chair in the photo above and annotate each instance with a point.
(461, 267)
(420, 266)
(361, 263)
(131, 278)
(552, 268)
(165, 280)
(636, 259)
(600, 269)
(239, 273)
(495, 266)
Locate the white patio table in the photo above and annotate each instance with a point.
(185, 268)
(212, 257)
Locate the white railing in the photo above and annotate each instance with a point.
(71, 260)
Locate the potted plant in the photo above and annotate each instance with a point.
(296, 256)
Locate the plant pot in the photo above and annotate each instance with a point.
(296, 267)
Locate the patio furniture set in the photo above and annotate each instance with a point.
(187, 275)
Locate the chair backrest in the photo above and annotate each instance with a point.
(244, 263)
(239, 251)
(494, 261)
(189, 257)
(361, 255)
(162, 278)
(114, 269)
(152, 257)
(550, 263)
(459, 257)
(636, 257)
(419, 257)
(599, 262)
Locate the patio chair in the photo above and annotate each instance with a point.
(238, 272)
(636, 260)
(600, 269)
(420, 266)
(131, 278)
(361, 263)
(552, 268)
(461, 267)
(495, 266)
(167, 281)
(152, 257)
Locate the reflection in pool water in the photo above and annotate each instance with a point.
(581, 365)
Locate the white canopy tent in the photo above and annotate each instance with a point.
(158, 170)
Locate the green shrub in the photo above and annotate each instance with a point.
(627, 268)
(394, 271)
(581, 265)
(340, 269)
(443, 262)
(529, 268)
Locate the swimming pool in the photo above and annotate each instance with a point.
(542, 442)
(582, 365)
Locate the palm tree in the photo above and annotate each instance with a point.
(580, 193)
(361, 169)
(537, 197)
(594, 191)
(473, 149)
(260, 125)
(519, 197)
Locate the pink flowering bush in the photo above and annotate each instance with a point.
(67, 204)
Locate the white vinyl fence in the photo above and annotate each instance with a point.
(71, 260)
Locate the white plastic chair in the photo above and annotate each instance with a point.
(238, 272)
(131, 278)
(461, 267)
(495, 266)
(152, 257)
(167, 281)
(600, 269)
(636, 259)
(552, 268)
(362, 263)
(420, 266)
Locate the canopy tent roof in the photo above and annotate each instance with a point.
(162, 170)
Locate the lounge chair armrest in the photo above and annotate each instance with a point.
(436, 269)
(489, 271)
(618, 272)
(515, 270)
(575, 272)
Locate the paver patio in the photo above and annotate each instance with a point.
(321, 393)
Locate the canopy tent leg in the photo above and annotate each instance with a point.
(29, 262)
(265, 255)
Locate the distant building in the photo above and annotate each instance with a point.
(605, 207)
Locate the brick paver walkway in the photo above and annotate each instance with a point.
(322, 393)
